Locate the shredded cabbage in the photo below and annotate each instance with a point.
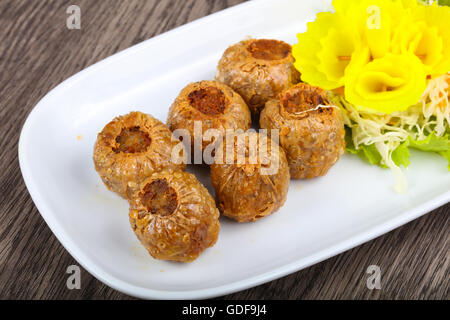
(384, 139)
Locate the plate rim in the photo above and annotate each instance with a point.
(146, 293)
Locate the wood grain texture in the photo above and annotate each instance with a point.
(37, 52)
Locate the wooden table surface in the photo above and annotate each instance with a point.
(37, 52)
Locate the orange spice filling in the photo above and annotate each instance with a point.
(303, 98)
(159, 198)
(132, 140)
(269, 49)
(210, 100)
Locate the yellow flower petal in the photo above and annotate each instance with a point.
(372, 83)
(380, 50)
(323, 52)
(335, 55)
(427, 35)
(375, 19)
(391, 83)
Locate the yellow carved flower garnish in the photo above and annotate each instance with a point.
(391, 83)
(381, 50)
(375, 20)
(427, 35)
(323, 53)
(337, 48)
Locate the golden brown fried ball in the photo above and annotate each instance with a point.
(130, 148)
(174, 216)
(215, 104)
(312, 136)
(258, 69)
(252, 188)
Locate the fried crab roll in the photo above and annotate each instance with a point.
(254, 181)
(258, 69)
(174, 216)
(212, 104)
(130, 148)
(311, 130)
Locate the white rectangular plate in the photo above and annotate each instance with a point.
(321, 218)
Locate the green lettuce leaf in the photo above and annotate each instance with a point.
(368, 153)
(401, 155)
(440, 2)
(432, 143)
